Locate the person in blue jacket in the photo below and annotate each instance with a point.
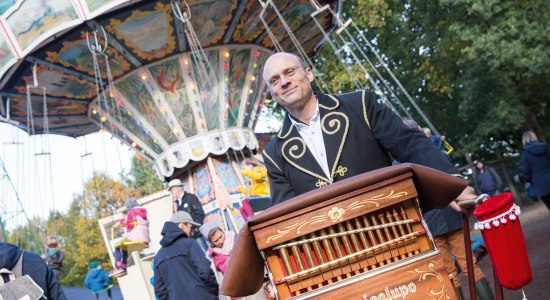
(535, 165)
(181, 268)
(97, 280)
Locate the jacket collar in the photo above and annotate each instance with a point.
(335, 127)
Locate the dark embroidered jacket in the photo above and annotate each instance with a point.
(359, 133)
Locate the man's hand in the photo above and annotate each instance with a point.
(468, 194)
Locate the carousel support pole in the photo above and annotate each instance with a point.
(469, 259)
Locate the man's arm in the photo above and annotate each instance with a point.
(160, 287)
(403, 143)
(197, 212)
(202, 265)
(280, 188)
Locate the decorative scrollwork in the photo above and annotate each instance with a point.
(441, 292)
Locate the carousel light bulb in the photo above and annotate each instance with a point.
(251, 91)
(130, 113)
(112, 94)
(103, 118)
(94, 111)
(227, 106)
(175, 131)
(186, 62)
(247, 103)
(143, 77)
(267, 101)
(226, 79)
(252, 78)
(226, 54)
(164, 109)
(255, 65)
(134, 144)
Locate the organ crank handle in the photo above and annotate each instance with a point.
(472, 203)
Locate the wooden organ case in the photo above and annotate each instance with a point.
(370, 244)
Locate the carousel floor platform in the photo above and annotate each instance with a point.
(535, 221)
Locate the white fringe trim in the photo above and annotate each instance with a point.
(511, 214)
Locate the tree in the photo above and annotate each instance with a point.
(143, 177)
(477, 69)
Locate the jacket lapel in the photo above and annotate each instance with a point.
(335, 126)
(296, 153)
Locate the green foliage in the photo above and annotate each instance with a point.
(478, 69)
(143, 177)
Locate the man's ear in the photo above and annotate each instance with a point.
(309, 75)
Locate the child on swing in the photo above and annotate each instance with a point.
(137, 227)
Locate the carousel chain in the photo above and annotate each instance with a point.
(322, 85)
(197, 52)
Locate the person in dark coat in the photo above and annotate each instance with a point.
(445, 226)
(181, 268)
(535, 165)
(35, 267)
(54, 256)
(326, 138)
(487, 180)
(187, 202)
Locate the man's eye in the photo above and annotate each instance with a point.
(274, 81)
(290, 72)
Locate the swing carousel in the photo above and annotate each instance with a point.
(179, 82)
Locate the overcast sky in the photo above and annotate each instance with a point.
(41, 188)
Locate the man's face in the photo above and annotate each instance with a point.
(218, 239)
(176, 191)
(288, 81)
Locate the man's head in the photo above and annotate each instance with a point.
(289, 80)
(175, 187)
(184, 221)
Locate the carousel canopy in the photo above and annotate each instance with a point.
(148, 87)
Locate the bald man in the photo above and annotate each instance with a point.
(327, 138)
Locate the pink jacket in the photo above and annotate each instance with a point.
(220, 256)
(139, 232)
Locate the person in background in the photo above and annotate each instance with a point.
(487, 180)
(137, 230)
(97, 280)
(189, 203)
(446, 227)
(535, 165)
(33, 265)
(436, 140)
(221, 244)
(181, 269)
(54, 256)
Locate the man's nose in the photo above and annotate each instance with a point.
(284, 81)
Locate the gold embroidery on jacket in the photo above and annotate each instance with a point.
(365, 108)
(337, 103)
(331, 119)
(272, 161)
(321, 183)
(292, 153)
(341, 171)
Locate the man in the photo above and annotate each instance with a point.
(33, 265)
(189, 203)
(328, 138)
(181, 269)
